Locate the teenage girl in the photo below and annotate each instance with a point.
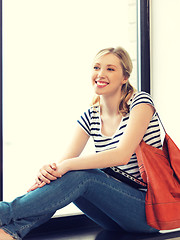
(118, 120)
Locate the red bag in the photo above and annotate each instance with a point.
(161, 170)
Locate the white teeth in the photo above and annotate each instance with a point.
(101, 83)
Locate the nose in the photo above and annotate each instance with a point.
(101, 73)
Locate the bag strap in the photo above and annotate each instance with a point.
(161, 122)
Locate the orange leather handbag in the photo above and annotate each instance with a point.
(161, 170)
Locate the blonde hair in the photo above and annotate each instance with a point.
(127, 88)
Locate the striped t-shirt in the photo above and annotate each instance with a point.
(90, 121)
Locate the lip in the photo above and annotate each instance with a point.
(101, 83)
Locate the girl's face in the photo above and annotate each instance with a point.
(107, 75)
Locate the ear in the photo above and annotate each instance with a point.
(125, 80)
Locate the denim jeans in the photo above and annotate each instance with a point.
(112, 204)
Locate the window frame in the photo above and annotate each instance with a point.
(143, 40)
(1, 110)
(143, 45)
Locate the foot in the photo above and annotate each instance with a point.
(5, 236)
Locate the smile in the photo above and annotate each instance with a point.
(101, 84)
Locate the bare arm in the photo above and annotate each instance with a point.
(48, 172)
(74, 149)
(137, 125)
(76, 145)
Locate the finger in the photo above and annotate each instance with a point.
(53, 166)
(47, 175)
(42, 178)
(37, 180)
(42, 184)
(33, 187)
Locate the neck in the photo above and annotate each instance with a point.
(110, 105)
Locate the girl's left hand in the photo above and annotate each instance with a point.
(58, 171)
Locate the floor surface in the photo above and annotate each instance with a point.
(98, 234)
(80, 227)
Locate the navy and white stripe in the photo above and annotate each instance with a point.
(90, 121)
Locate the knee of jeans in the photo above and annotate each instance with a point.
(82, 174)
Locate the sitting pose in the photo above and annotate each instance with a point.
(118, 119)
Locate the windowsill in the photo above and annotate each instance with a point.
(70, 210)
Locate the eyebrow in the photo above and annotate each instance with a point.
(111, 65)
(108, 65)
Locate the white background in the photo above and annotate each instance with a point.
(165, 53)
(165, 63)
(48, 49)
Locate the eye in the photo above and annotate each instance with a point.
(96, 68)
(111, 69)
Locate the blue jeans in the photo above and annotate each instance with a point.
(111, 204)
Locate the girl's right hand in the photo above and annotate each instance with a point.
(45, 175)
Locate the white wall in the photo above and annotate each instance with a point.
(165, 63)
(48, 48)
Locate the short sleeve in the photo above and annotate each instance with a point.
(84, 122)
(141, 97)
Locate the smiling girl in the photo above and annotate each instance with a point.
(118, 120)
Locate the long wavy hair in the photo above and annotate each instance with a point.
(127, 89)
